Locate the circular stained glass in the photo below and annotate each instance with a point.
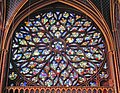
(57, 48)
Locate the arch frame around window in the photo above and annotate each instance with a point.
(93, 13)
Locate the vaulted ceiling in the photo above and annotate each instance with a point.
(102, 5)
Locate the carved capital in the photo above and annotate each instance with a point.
(4, 50)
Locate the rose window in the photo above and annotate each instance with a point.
(57, 49)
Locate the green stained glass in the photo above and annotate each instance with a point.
(23, 42)
(40, 34)
(13, 76)
(58, 48)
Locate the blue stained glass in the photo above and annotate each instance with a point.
(92, 83)
(19, 35)
(23, 84)
(58, 48)
(17, 56)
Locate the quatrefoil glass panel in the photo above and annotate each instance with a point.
(57, 48)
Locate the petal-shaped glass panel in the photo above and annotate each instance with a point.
(58, 48)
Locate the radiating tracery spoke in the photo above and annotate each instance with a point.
(58, 48)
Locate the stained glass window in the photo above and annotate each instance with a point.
(58, 48)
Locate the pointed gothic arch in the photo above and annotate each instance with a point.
(94, 15)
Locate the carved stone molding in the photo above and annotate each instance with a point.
(14, 12)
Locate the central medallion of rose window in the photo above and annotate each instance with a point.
(58, 45)
(58, 49)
